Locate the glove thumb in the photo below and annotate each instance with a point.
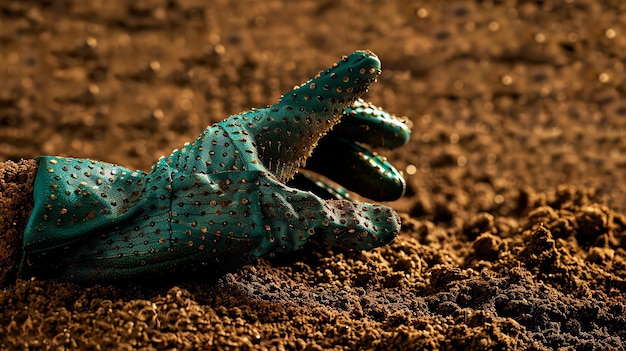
(358, 225)
(291, 217)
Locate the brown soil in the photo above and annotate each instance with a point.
(514, 233)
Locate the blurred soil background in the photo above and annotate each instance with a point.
(514, 225)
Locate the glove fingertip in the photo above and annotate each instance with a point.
(369, 124)
(362, 226)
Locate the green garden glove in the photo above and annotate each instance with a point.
(215, 204)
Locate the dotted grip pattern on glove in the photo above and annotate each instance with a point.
(212, 206)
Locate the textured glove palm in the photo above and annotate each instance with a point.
(212, 206)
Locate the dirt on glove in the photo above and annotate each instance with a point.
(514, 221)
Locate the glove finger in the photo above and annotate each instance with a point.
(357, 169)
(291, 217)
(283, 135)
(368, 124)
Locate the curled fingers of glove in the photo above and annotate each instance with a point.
(358, 169)
(343, 157)
(292, 217)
